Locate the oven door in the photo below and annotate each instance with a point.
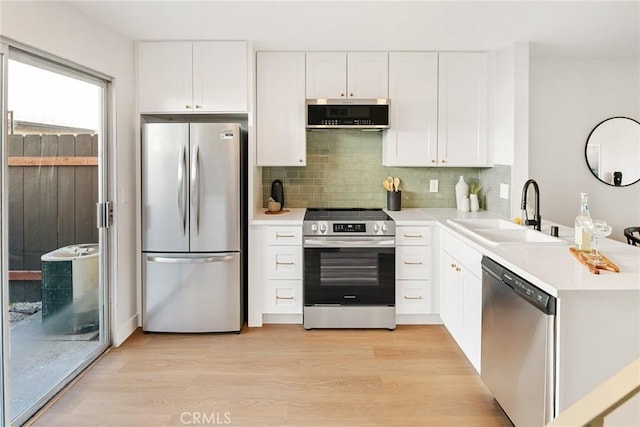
(349, 271)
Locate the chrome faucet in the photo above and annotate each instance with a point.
(536, 222)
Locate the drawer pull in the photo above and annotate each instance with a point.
(413, 236)
(413, 263)
(406, 297)
(278, 235)
(284, 263)
(277, 297)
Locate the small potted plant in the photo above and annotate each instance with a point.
(474, 189)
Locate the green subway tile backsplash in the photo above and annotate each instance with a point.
(344, 169)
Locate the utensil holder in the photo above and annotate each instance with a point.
(394, 200)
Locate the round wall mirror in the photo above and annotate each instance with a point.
(613, 151)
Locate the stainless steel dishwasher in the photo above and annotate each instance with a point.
(518, 345)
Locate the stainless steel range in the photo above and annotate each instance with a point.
(349, 269)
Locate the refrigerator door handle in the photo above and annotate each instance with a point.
(180, 260)
(195, 185)
(182, 203)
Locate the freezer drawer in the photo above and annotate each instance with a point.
(191, 292)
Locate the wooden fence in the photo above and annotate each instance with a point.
(53, 190)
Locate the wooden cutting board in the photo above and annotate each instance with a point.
(584, 260)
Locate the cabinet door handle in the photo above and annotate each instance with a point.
(458, 269)
(406, 297)
(278, 235)
(413, 236)
(289, 298)
(453, 265)
(187, 107)
(413, 263)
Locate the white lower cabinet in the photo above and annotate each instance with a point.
(461, 294)
(282, 271)
(283, 297)
(414, 287)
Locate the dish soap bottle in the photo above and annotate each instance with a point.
(583, 221)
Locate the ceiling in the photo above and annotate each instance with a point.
(569, 29)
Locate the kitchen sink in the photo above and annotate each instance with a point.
(524, 235)
(501, 231)
(500, 224)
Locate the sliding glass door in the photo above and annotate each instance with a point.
(55, 291)
(4, 416)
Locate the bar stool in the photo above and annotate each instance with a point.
(632, 239)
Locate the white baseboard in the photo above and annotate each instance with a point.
(291, 319)
(418, 319)
(122, 331)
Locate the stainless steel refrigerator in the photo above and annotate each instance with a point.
(191, 227)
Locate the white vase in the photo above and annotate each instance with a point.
(474, 204)
(464, 204)
(462, 190)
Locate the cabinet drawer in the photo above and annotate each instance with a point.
(283, 297)
(413, 297)
(284, 236)
(413, 236)
(465, 255)
(413, 262)
(284, 262)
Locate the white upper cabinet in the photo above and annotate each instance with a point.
(280, 103)
(165, 77)
(462, 109)
(412, 139)
(220, 76)
(336, 75)
(326, 75)
(367, 75)
(192, 77)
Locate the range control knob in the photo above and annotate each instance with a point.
(314, 227)
(376, 227)
(323, 228)
(384, 227)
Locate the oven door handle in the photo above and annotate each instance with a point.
(360, 243)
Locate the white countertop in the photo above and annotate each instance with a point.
(550, 267)
(293, 217)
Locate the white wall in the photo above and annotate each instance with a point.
(510, 121)
(568, 99)
(64, 31)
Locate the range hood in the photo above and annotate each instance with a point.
(347, 113)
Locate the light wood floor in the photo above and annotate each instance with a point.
(281, 375)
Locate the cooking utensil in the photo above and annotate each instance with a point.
(390, 181)
(396, 184)
(386, 185)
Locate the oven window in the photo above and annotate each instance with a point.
(347, 269)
